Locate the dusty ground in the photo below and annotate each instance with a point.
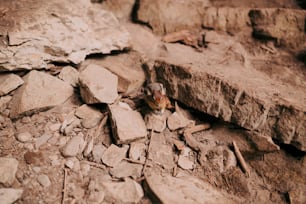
(277, 175)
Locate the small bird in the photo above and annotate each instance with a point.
(156, 98)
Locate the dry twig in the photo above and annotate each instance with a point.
(100, 166)
(241, 160)
(64, 186)
(191, 142)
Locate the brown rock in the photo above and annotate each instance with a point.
(166, 16)
(4, 100)
(160, 152)
(177, 120)
(127, 66)
(10, 195)
(143, 40)
(128, 191)
(70, 75)
(127, 125)
(39, 92)
(234, 91)
(33, 46)
(114, 155)
(89, 115)
(231, 20)
(184, 189)
(270, 24)
(121, 9)
(74, 146)
(157, 122)
(8, 169)
(98, 85)
(137, 151)
(126, 169)
(263, 143)
(9, 82)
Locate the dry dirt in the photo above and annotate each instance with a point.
(277, 176)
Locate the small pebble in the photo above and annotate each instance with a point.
(44, 180)
(24, 137)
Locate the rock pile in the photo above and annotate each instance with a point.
(73, 122)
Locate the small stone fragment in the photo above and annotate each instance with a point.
(128, 191)
(97, 152)
(176, 121)
(74, 146)
(160, 152)
(137, 151)
(24, 137)
(70, 75)
(4, 100)
(128, 68)
(55, 127)
(98, 85)
(10, 195)
(264, 143)
(69, 163)
(127, 125)
(8, 169)
(40, 91)
(44, 180)
(42, 140)
(185, 162)
(35, 158)
(126, 169)
(89, 115)
(114, 155)
(184, 189)
(156, 122)
(9, 82)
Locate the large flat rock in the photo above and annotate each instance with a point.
(40, 91)
(127, 124)
(185, 189)
(168, 15)
(56, 31)
(127, 66)
(222, 82)
(284, 25)
(98, 85)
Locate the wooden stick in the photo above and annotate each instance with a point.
(64, 186)
(241, 160)
(192, 142)
(100, 166)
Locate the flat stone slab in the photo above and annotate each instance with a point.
(128, 191)
(127, 124)
(69, 74)
(10, 195)
(221, 84)
(98, 85)
(9, 82)
(126, 169)
(8, 169)
(114, 155)
(40, 91)
(127, 66)
(185, 189)
(57, 32)
(160, 152)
